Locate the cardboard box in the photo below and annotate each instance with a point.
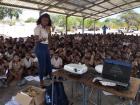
(31, 96)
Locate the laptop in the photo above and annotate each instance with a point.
(116, 71)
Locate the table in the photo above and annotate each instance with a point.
(86, 80)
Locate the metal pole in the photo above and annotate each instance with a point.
(99, 97)
(83, 26)
(72, 90)
(84, 94)
(52, 89)
(66, 24)
(94, 26)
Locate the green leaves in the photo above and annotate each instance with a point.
(9, 12)
(31, 20)
(131, 18)
(3, 12)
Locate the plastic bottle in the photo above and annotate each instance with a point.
(48, 100)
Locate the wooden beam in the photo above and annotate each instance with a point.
(113, 8)
(62, 1)
(26, 7)
(45, 4)
(119, 12)
(89, 6)
(116, 7)
(79, 11)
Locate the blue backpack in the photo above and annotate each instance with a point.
(59, 95)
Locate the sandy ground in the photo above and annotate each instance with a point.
(75, 98)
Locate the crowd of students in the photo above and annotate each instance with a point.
(17, 54)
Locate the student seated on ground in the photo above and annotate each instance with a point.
(34, 63)
(78, 48)
(15, 69)
(2, 65)
(9, 53)
(27, 62)
(56, 61)
(88, 59)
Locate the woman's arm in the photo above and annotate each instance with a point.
(37, 32)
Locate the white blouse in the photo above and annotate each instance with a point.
(56, 62)
(42, 33)
(27, 63)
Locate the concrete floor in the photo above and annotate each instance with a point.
(76, 98)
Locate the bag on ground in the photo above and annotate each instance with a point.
(59, 95)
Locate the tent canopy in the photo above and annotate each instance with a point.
(95, 9)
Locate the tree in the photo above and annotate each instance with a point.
(74, 22)
(61, 20)
(9, 12)
(89, 23)
(31, 20)
(137, 21)
(3, 12)
(131, 18)
(107, 20)
(113, 22)
(55, 19)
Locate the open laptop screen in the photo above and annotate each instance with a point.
(116, 70)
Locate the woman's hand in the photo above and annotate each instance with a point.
(48, 28)
(42, 39)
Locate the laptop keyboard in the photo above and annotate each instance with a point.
(118, 83)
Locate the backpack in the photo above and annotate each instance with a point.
(59, 95)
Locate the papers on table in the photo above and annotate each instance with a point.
(29, 78)
(33, 78)
(3, 77)
(107, 83)
(54, 70)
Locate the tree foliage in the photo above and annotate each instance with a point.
(131, 18)
(31, 20)
(9, 12)
(2, 13)
(89, 23)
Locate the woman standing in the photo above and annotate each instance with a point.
(43, 33)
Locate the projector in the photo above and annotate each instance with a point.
(78, 69)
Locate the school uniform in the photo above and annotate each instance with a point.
(42, 52)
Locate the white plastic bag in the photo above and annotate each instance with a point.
(12, 102)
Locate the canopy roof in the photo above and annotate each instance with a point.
(95, 9)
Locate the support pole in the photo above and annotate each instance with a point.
(83, 25)
(66, 24)
(94, 26)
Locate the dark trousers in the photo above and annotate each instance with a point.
(44, 61)
(104, 32)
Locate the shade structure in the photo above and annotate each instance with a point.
(95, 9)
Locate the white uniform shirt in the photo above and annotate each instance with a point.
(42, 33)
(27, 63)
(56, 62)
(10, 56)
